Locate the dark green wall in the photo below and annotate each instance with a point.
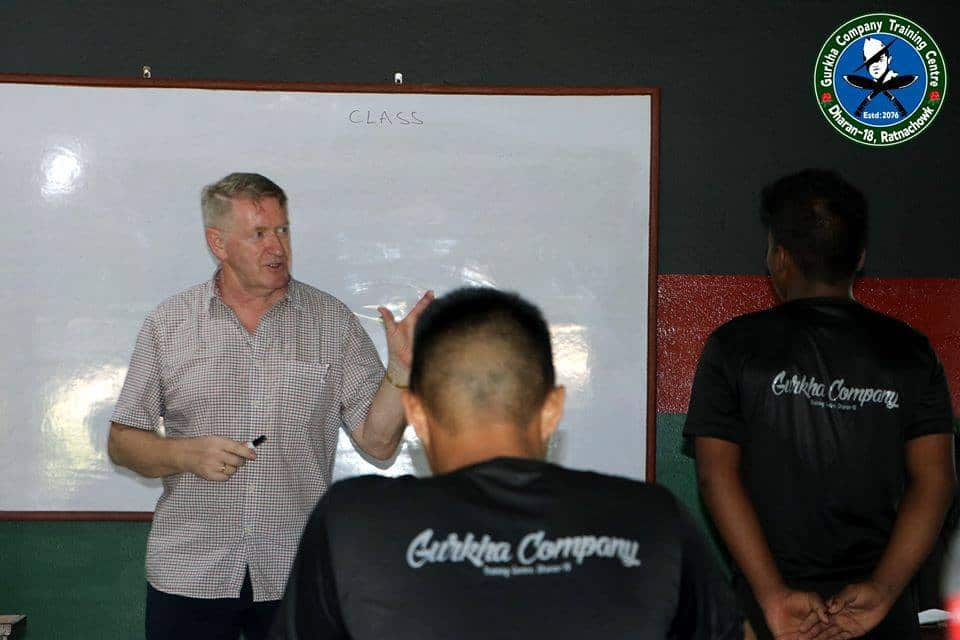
(74, 580)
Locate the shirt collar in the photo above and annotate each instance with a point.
(212, 292)
(293, 294)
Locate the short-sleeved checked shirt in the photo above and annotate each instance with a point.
(309, 369)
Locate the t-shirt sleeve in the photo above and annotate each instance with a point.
(706, 608)
(715, 410)
(932, 411)
(310, 607)
(362, 373)
(141, 399)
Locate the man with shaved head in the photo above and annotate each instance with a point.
(498, 544)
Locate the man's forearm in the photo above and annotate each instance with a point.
(718, 473)
(144, 452)
(381, 432)
(919, 519)
(737, 522)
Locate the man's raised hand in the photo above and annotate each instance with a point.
(400, 335)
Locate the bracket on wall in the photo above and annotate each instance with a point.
(397, 78)
(147, 72)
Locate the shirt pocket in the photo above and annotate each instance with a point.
(188, 386)
(303, 395)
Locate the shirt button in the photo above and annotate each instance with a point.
(248, 530)
(254, 404)
(251, 488)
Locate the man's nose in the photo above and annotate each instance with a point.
(274, 243)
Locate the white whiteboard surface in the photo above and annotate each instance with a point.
(546, 195)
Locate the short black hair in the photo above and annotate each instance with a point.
(482, 351)
(821, 220)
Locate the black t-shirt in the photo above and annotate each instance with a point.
(821, 394)
(509, 548)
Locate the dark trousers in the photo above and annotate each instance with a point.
(901, 622)
(172, 617)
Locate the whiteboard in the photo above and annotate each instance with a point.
(546, 195)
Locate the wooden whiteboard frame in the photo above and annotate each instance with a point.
(310, 87)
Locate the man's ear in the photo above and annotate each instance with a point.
(216, 243)
(416, 416)
(551, 412)
(780, 260)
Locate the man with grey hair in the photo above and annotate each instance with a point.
(252, 352)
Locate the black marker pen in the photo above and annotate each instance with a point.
(259, 440)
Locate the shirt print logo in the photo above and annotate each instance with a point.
(536, 554)
(835, 395)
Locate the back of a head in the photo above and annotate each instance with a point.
(821, 220)
(482, 356)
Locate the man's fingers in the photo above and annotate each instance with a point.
(849, 625)
(814, 632)
(421, 305)
(841, 600)
(848, 596)
(818, 608)
(240, 450)
(809, 622)
(233, 461)
(821, 612)
(831, 632)
(221, 472)
(821, 631)
(389, 322)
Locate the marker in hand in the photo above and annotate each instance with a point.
(256, 442)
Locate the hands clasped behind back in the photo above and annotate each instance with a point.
(213, 457)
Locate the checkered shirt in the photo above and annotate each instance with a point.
(309, 369)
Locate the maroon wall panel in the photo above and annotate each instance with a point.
(691, 306)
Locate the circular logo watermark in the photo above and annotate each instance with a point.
(880, 79)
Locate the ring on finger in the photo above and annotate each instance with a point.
(223, 468)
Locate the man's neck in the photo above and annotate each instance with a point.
(466, 449)
(802, 290)
(249, 307)
(241, 299)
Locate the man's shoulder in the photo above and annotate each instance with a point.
(367, 491)
(317, 301)
(750, 321)
(369, 482)
(376, 488)
(894, 327)
(776, 319)
(747, 327)
(618, 488)
(183, 303)
(640, 508)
